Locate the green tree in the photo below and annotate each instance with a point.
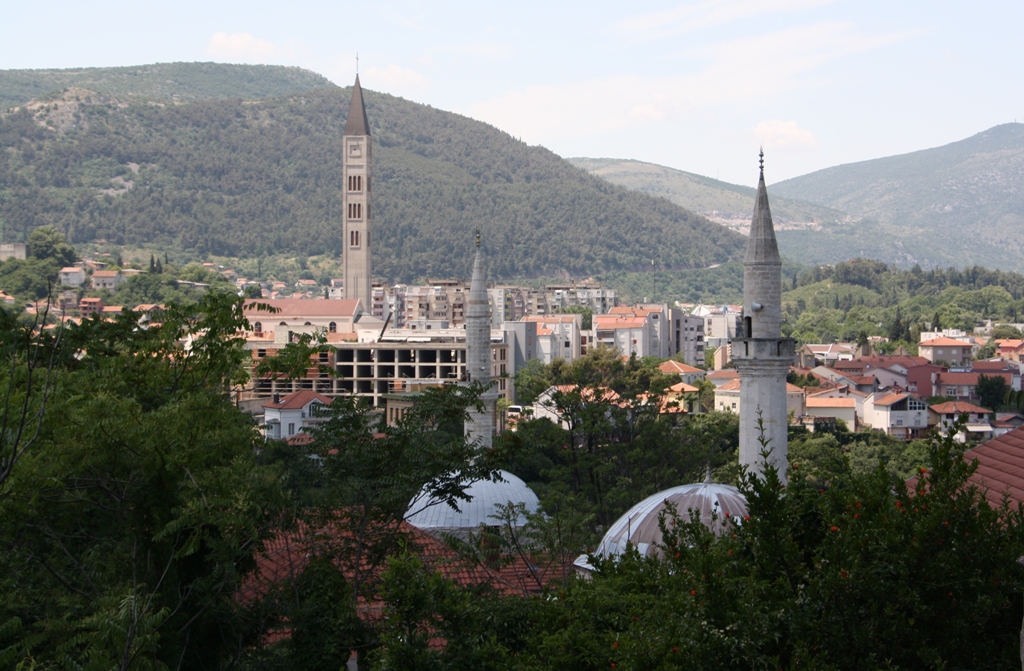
(991, 391)
(47, 242)
(129, 526)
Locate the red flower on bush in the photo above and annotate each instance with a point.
(833, 528)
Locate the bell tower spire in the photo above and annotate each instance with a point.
(762, 356)
(356, 200)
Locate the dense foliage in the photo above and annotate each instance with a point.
(251, 178)
(865, 572)
(841, 302)
(160, 81)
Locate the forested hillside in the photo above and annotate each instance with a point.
(958, 205)
(245, 178)
(161, 81)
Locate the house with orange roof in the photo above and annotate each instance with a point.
(90, 306)
(720, 377)
(284, 417)
(559, 336)
(953, 352)
(979, 420)
(107, 280)
(899, 414)
(727, 398)
(553, 401)
(686, 373)
(837, 408)
(72, 276)
(841, 391)
(964, 385)
(1011, 349)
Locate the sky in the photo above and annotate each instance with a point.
(697, 86)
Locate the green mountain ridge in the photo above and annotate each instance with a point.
(248, 178)
(180, 82)
(958, 205)
(727, 203)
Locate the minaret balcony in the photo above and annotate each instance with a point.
(764, 349)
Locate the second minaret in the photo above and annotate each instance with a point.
(761, 355)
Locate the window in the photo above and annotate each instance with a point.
(353, 239)
(332, 327)
(355, 210)
(291, 428)
(258, 327)
(355, 183)
(260, 353)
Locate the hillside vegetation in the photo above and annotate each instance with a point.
(729, 204)
(179, 82)
(251, 178)
(961, 204)
(958, 205)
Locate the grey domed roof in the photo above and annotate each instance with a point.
(485, 497)
(639, 525)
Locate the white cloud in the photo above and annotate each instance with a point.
(776, 133)
(247, 48)
(394, 79)
(747, 71)
(695, 16)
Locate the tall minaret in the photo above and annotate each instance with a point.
(480, 425)
(761, 355)
(356, 208)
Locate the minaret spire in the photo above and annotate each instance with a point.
(479, 425)
(761, 355)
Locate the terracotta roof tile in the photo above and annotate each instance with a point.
(677, 367)
(944, 342)
(957, 407)
(298, 399)
(812, 402)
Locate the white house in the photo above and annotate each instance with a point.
(727, 398)
(107, 279)
(288, 416)
(899, 414)
(72, 276)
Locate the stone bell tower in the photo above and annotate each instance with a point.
(761, 355)
(356, 208)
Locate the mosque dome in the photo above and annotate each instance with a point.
(639, 526)
(485, 497)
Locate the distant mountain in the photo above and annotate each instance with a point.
(728, 204)
(957, 205)
(953, 206)
(247, 178)
(161, 81)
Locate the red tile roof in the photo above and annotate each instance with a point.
(970, 378)
(724, 374)
(675, 367)
(1000, 467)
(302, 307)
(812, 402)
(958, 407)
(890, 399)
(944, 342)
(298, 399)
